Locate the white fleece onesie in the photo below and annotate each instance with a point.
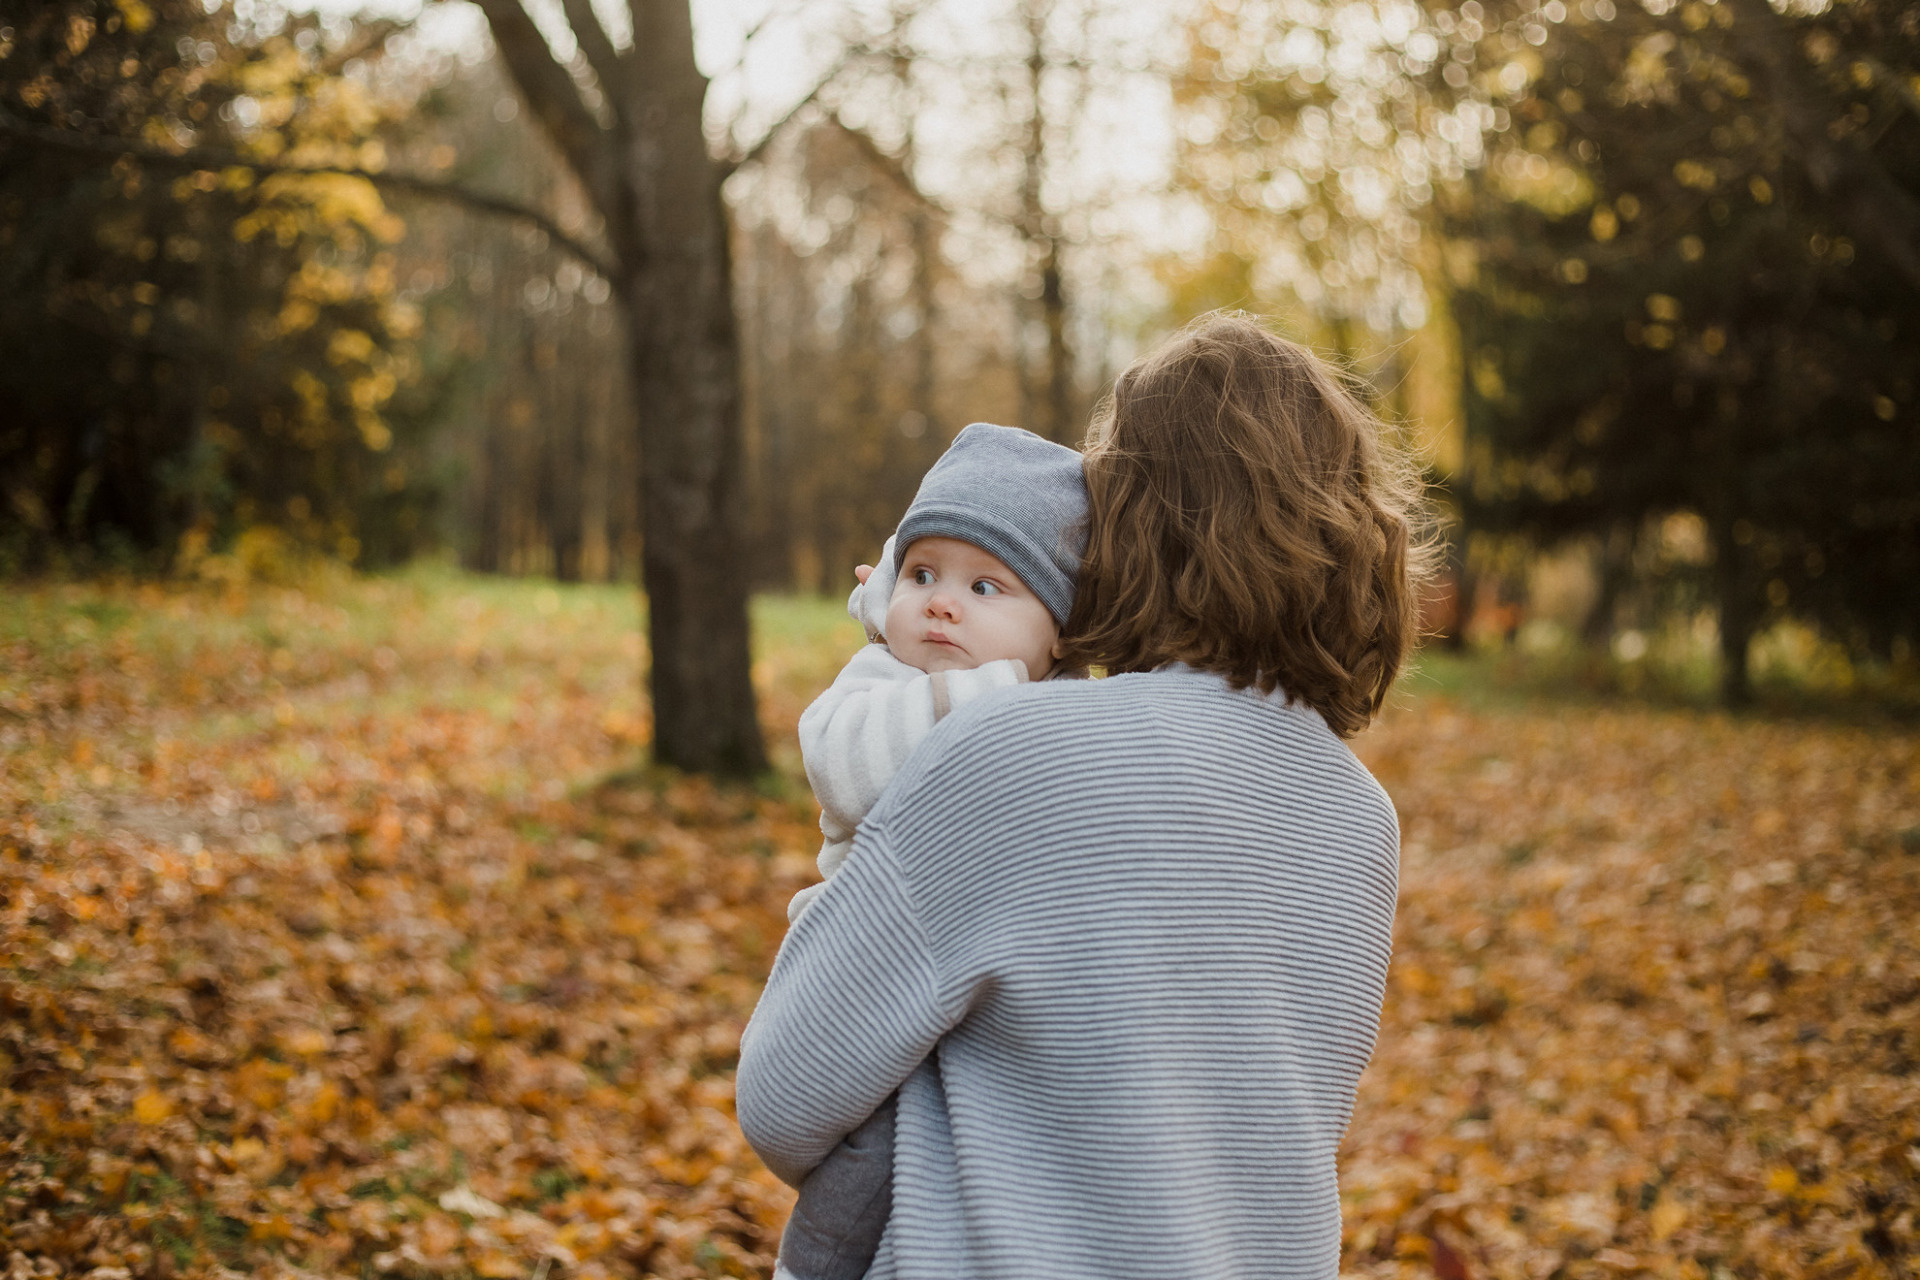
(858, 733)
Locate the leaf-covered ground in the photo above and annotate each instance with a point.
(341, 935)
(1655, 1000)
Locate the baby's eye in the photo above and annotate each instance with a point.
(923, 577)
(987, 587)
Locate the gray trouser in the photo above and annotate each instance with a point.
(844, 1205)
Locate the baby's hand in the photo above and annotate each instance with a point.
(868, 601)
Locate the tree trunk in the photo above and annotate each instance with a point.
(566, 446)
(1737, 618)
(1739, 614)
(642, 157)
(1615, 567)
(1053, 308)
(686, 362)
(925, 371)
(1464, 586)
(1048, 413)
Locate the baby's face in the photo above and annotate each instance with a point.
(956, 606)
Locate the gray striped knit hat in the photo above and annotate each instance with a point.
(1013, 495)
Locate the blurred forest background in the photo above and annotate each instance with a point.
(1642, 281)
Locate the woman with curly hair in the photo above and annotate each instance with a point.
(1119, 945)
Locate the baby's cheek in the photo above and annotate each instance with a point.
(897, 614)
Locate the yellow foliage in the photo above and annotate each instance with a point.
(312, 393)
(79, 34)
(403, 320)
(335, 200)
(1647, 71)
(136, 14)
(261, 553)
(1547, 182)
(369, 393)
(374, 433)
(297, 315)
(347, 346)
(1692, 173)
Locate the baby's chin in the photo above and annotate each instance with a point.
(932, 657)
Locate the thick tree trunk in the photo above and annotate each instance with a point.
(1464, 587)
(925, 370)
(1049, 412)
(695, 579)
(1053, 307)
(1737, 625)
(642, 156)
(1614, 569)
(1739, 614)
(687, 382)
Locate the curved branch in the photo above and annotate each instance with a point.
(889, 164)
(554, 99)
(775, 12)
(740, 159)
(613, 71)
(742, 156)
(206, 158)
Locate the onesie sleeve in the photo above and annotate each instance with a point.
(858, 733)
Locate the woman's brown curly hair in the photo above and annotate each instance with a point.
(1249, 516)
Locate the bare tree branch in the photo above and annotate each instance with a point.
(887, 46)
(614, 72)
(889, 164)
(773, 14)
(207, 158)
(754, 152)
(369, 35)
(555, 101)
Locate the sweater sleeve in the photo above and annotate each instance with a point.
(853, 1005)
(858, 733)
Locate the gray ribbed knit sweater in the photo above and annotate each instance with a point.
(1121, 945)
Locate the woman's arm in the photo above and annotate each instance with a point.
(855, 1002)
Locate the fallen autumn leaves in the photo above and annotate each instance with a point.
(337, 936)
(1655, 1001)
(326, 943)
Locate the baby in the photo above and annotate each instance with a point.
(969, 596)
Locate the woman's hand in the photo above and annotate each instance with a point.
(863, 572)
